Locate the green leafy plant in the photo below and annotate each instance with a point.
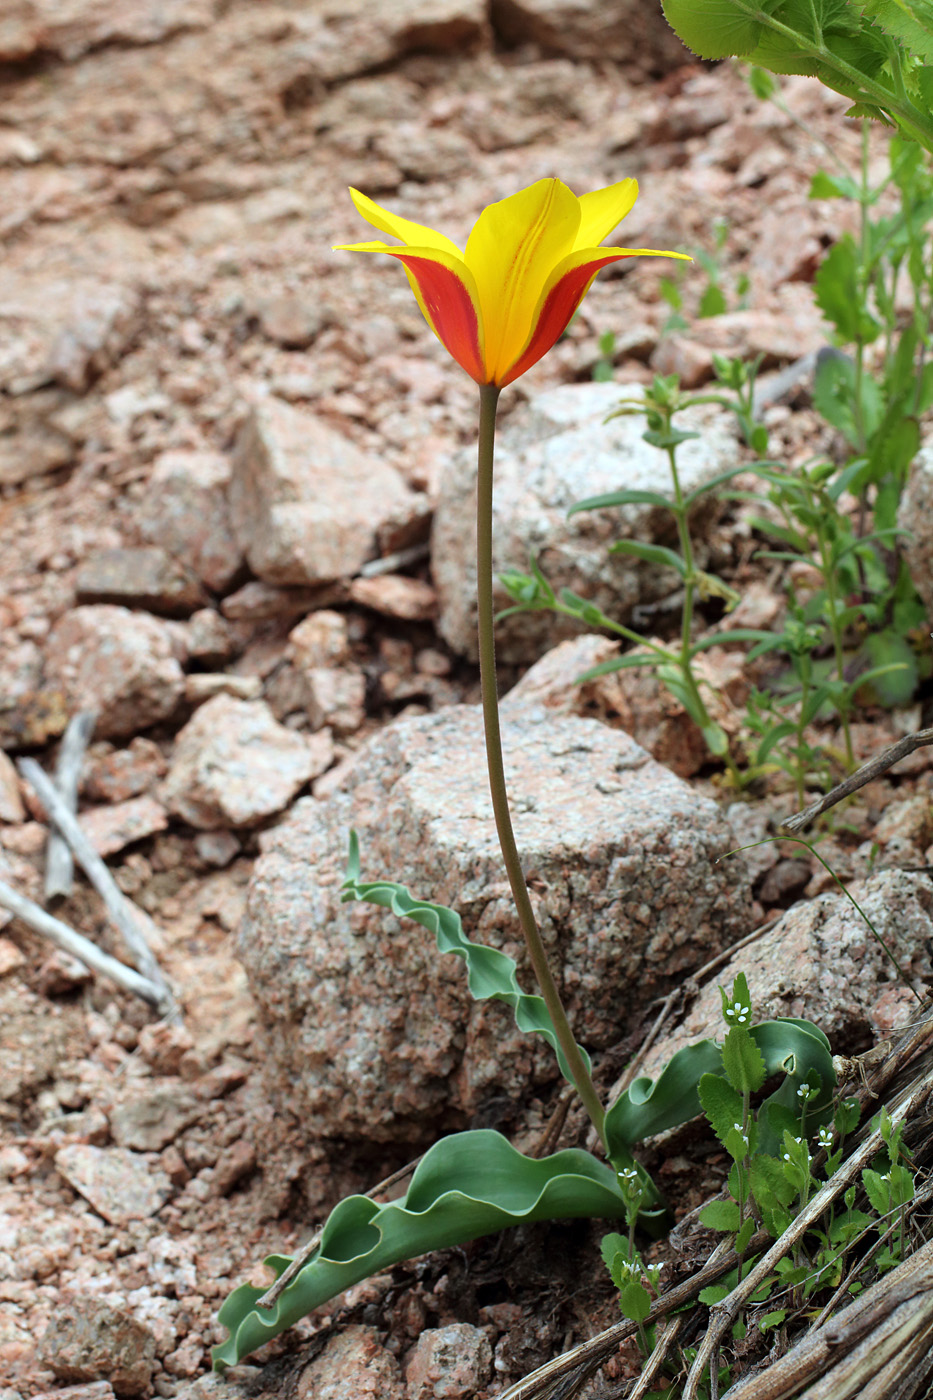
(474, 1183)
(674, 666)
(877, 53)
(776, 1148)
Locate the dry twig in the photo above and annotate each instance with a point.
(80, 947)
(868, 771)
(124, 915)
(59, 865)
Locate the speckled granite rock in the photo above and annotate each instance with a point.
(820, 962)
(369, 1031)
(552, 454)
(916, 517)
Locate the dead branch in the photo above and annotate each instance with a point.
(872, 769)
(59, 864)
(80, 947)
(124, 915)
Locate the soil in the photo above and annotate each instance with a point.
(205, 171)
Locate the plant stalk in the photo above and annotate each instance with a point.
(488, 401)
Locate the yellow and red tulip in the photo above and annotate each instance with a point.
(500, 304)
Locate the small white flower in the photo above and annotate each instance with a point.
(826, 1137)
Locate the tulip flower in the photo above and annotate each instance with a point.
(500, 305)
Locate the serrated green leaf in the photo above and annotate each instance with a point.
(911, 21)
(712, 28)
(771, 1319)
(742, 1061)
(465, 1186)
(721, 1104)
(714, 1294)
(490, 973)
(721, 1215)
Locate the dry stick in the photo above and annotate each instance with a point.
(872, 769)
(724, 1314)
(59, 865)
(309, 1249)
(79, 947)
(883, 1326)
(542, 1384)
(656, 1360)
(124, 915)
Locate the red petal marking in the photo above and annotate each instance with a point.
(561, 302)
(452, 312)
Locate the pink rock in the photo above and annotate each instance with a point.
(448, 1363)
(354, 1365)
(820, 962)
(307, 503)
(235, 765)
(89, 1340)
(11, 803)
(117, 662)
(120, 1185)
(185, 511)
(321, 639)
(395, 595)
(117, 774)
(145, 577)
(73, 29)
(368, 1032)
(112, 828)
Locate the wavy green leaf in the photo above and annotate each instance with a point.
(788, 1046)
(490, 973)
(467, 1185)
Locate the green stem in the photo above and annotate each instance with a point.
(488, 401)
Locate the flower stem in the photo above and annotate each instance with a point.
(488, 401)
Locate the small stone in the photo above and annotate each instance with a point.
(321, 639)
(149, 1122)
(117, 662)
(354, 1365)
(185, 510)
(336, 698)
(119, 1184)
(144, 577)
(11, 802)
(209, 638)
(61, 975)
(290, 321)
(785, 882)
(910, 819)
(101, 319)
(112, 828)
(113, 775)
(10, 957)
(237, 1161)
(202, 686)
(163, 1047)
(234, 765)
(308, 505)
(89, 1340)
(217, 848)
(93, 1390)
(256, 601)
(395, 595)
(448, 1363)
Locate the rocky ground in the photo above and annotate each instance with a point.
(222, 450)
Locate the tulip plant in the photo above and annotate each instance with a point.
(497, 307)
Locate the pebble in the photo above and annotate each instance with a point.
(119, 1184)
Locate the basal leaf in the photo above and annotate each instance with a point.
(467, 1185)
(490, 973)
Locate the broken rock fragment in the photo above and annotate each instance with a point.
(234, 765)
(369, 1032)
(309, 505)
(116, 662)
(88, 1340)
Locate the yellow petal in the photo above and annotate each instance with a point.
(416, 235)
(603, 210)
(512, 249)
